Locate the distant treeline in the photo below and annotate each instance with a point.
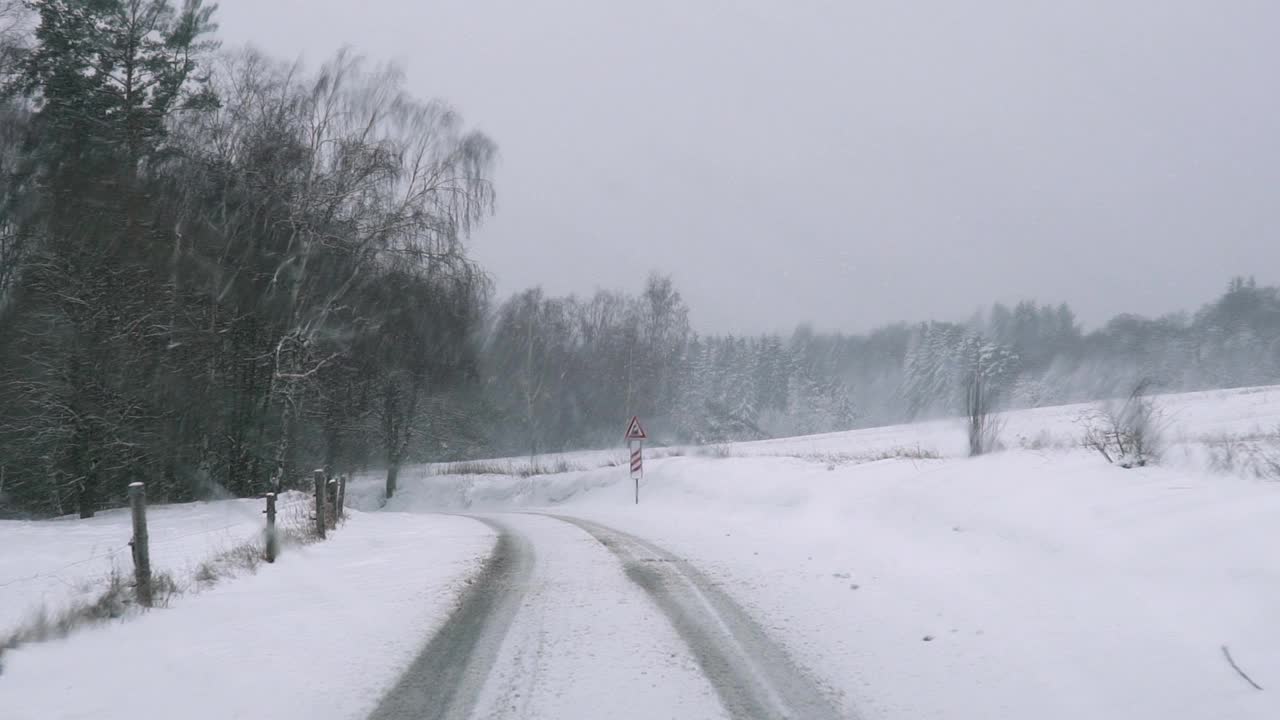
(564, 372)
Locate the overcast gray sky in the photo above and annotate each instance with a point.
(849, 163)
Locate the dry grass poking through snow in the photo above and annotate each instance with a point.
(716, 450)
(115, 600)
(1256, 455)
(509, 467)
(114, 595)
(830, 459)
(722, 451)
(1045, 439)
(835, 459)
(228, 563)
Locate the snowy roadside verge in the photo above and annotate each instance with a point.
(49, 566)
(322, 635)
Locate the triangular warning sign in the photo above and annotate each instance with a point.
(634, 431)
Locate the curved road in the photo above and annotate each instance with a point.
(572, 619)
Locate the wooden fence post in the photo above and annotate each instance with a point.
(273, 541)
(140, 543)
(332, 501)
(320, 510)
(342, 496)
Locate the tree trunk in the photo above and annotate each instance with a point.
(333, 437)
(87, 498)
(393, 472)
(533, 433)
(280, 473)
(331, 451)
(80, 454)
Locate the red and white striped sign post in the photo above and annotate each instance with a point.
(637, 460)
(635, 443)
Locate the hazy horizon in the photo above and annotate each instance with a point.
(848, 166)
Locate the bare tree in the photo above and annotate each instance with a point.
(365, 183)
(422, 345)
(987, 368)
(528, 345)
(15, 117)
(983, 424)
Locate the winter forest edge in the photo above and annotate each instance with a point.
(218, 271)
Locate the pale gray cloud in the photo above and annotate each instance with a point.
(850, 163)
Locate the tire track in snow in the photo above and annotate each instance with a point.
(754, 677)
(445, 680)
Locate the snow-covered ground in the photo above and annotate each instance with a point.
(319, 634)
(51, 564)
(1038, 582)
(1051, 587)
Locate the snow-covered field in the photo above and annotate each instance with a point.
(1049, 584)
(1038, 582)
(1014, 586)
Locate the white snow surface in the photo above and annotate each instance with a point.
(1038, 582)
(51, 564)
(322, 633)
(588, 643)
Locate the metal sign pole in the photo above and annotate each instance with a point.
(634, 447)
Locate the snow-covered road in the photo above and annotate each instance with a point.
(753, 675)
(571, 619)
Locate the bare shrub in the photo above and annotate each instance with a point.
(1256, 456)
(983, 424)
(1127, 434)
(720, 451)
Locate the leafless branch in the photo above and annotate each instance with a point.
(1226, 653)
